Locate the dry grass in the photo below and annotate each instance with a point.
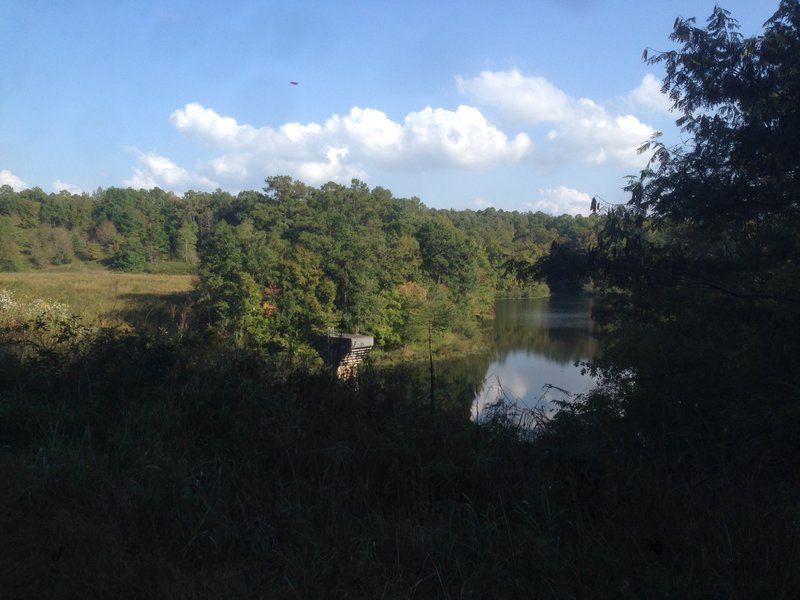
(105, 296)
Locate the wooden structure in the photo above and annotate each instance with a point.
(346, 351)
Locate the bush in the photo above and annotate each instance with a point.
(130, 256)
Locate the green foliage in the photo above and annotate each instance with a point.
(569, 264)
(129, 257)
(106, 235)
(10, 251)
(185, 246)
(50, 246)
(311, 258)
(448, 257)
(699, 273)
(736, 184)
(156, 243)
(231, 296)
(698, 303)
(353, 222)
(136, 464)
(65, 210)
(415, 312)
(122, 207)
(91, 251)
(339, 257)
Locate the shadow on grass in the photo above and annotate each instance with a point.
(152, 311)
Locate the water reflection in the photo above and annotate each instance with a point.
(456, 380)
(537, 343)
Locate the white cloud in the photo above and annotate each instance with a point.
(330, 169)
(524, 100)
(482, 203)
(570, 131)
(561, 200)
(347, 146)
(579, 130)
(59, 186)
(648, 96)
(375, 131)
(205, 124)
(463, 138)
(154, 170)
(8, 178)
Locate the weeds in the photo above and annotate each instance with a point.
(145, 467)
(107, 298)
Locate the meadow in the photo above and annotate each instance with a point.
(107, 297)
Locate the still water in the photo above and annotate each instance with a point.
(536, 345)
(530, 345)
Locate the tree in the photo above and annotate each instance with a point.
(23, 207)
(738, 180)
(186, 243)
(123, 207)
(700, 272)
(50, 246)
(230, 295)
(10, 255)
(156, 243)
(449, 257)
(106, 235)
(129, 257)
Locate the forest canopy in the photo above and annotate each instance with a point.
(278, 266)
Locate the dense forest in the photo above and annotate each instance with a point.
(138, 464)
(277, 267)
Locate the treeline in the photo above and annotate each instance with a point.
(123, 229)
(280, 265)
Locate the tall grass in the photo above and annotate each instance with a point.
(106, 297)
(138, 467)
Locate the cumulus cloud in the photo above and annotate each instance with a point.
(8, 178)
(332, 168)
(346, 146)
(569, 131)
(153, 170)
(521, 99)
(561, 200)
(206, 125)
(59, 186)
(648, 96)
(579, 130)
(462, 138)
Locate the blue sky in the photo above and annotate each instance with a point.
(535, 105)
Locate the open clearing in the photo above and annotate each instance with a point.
(107, 296)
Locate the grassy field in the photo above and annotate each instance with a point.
(105, 296)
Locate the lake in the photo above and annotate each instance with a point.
(532, 343)
(536, 345)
